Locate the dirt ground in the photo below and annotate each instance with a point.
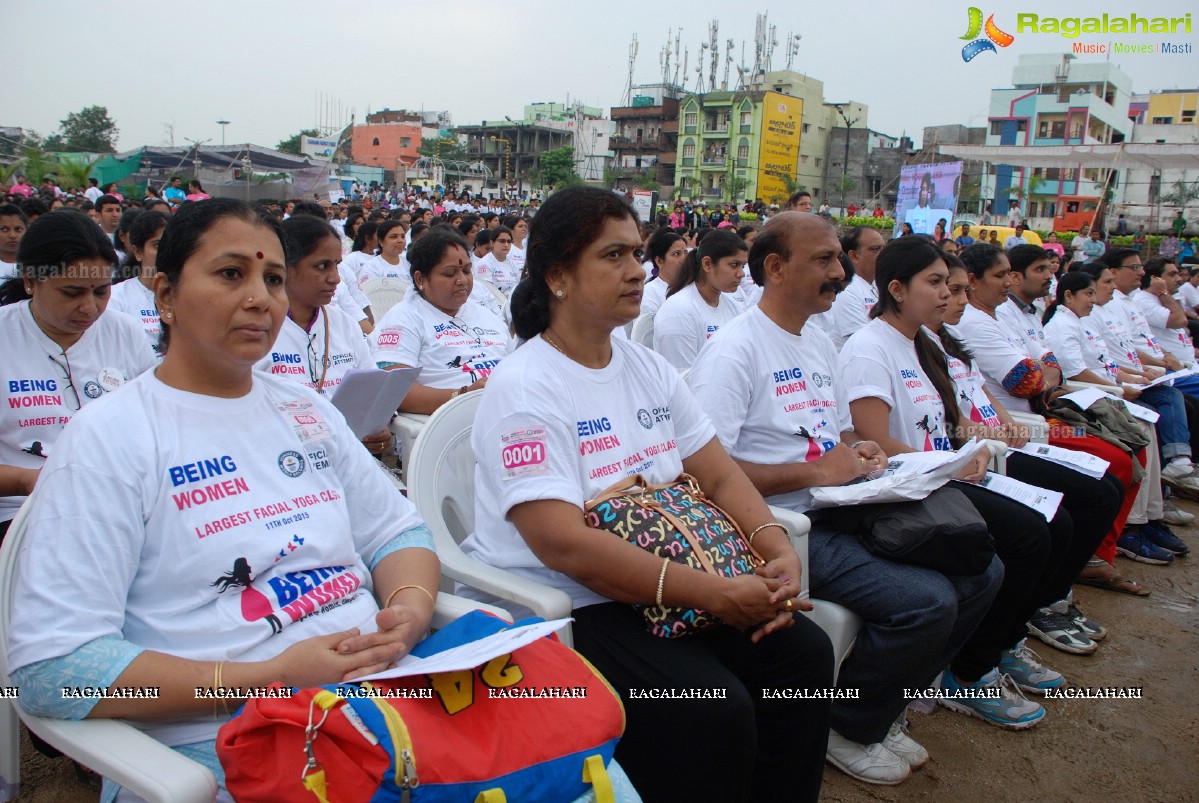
(1117, 750)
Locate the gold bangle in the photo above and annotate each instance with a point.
(401, 588)
(761, 527)
(661, 581)
(217, 681)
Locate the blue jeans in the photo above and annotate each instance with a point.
(915, 620)
(1172, 431)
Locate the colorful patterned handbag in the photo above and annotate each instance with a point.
(674, 521)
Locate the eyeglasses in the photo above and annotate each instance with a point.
(509, 242)
(66, 370)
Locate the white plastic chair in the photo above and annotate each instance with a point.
(384, 294)
(407, 427)
(643, 331)
(500, 298)
(441, 483)
(112, 747)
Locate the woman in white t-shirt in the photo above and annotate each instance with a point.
(898, 403)
(225, 527)
(61, 352)
(318, 343)
(520, 231)
(454, 341)
(701, 301)
(388, 263)
(366, 241)
(586, 409)
(495, 266)
(135, 295)
(668, 253)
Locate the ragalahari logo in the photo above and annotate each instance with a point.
(994, 35)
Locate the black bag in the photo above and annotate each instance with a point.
(943, 531)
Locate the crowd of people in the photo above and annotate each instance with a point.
(204, 337)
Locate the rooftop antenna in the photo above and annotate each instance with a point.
(715, 46)
(771, 44)
(759, 43)
(628, 87)
(792, 49)
(699, 68)
(683, 82)
(678, 35)
(728, 62)
(664, 60)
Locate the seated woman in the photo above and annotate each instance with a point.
(668, 252)
(318, 342)
(1098, 507)
(61, 352)
(181, 579)
(454, 341)
(895, 402)
(387, 263)
(135, 295)
(701, 300)
(585, 399)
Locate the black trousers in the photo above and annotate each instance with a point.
(1032, 551)
(750, 746)
(1092, 504)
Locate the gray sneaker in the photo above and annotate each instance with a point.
(1173, 515)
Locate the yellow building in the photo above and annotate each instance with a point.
(1172, 108)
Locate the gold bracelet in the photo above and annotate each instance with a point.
(661, 581)
(217, 680)
(761, 527)
(401, 588)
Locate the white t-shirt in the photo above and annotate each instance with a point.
(352, 265)
(997, 349)
(450, 351)
(879, 362)
(351, 285)
(379, 268)
(685, 321)
(93, 193)
(851, 310)
(210, 529)
(549, 428)
(503, 275)
(516, 258)
(346, 303)
(1142, 335)
(1026, 327)
(969, 384)
(749, 293)
(772, 395)
(653, 294)
(1079, 345)
(300, 356)
(1174, 341)
(137, 301)
(38, 400)
(1190, 296)
(1113, 325)
(8, 270)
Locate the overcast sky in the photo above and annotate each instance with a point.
(261, 65)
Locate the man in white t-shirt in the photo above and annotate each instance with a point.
(1165, 315)
(1016, 239)
(768, 381)
(851, 310)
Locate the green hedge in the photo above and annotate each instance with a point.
(887, 223)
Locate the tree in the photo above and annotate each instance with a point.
(292, 143)
(1183, 195)
(444, 148)
(73, 174)
(557, 168)
(90, 130)
(845, 184)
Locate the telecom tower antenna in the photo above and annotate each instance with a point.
(628, 87)
(699, 68)
(728, 62)
(678, 35)
(714, 45)
(792, 48)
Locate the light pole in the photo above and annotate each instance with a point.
(223, 124)
(845, 165)
(507, 157)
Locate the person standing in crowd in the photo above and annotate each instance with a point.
(93, 191)
(702, 299)
(516, 255)
(61, 351)
(800, 201)
(20, 186)
(195, 191)
(584, 280)
(915, 618)
(1017, 238)
(1095, 247)
(1179, 224)
(964, 240)
(1079, 243)
(1051, 244)
(174, 194)
(851, 310)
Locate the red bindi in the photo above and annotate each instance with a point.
(259, 255)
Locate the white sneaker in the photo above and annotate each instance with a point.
(905, 746)
(872, 763)
(1177, 470)
(1174, 515)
